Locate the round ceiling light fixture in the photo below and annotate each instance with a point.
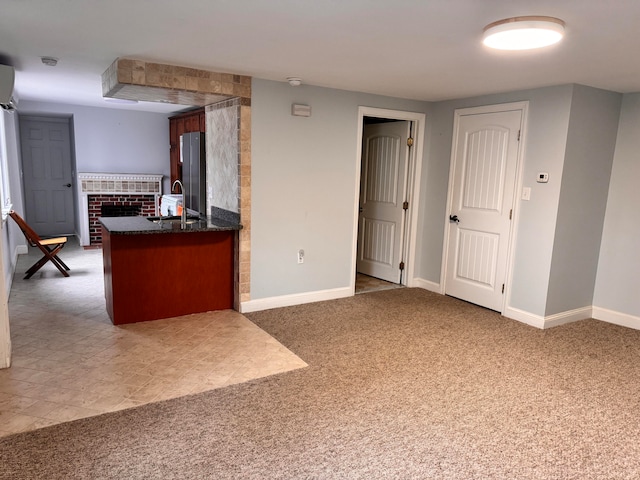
(523, 33)
(294, 81)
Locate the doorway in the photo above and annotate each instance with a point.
(48, 174)
(485, 165)
(390, 142)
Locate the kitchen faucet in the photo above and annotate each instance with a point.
(183, 216)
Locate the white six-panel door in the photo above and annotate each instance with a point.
(382, 191)
(485, 159)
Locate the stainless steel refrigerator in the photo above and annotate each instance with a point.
(194, 170)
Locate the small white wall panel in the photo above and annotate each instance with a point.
(484, 169)
(477, 255)
(382, 170)
(378, 241)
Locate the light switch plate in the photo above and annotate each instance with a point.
(526, 193)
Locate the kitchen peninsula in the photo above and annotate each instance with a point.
(167, 268)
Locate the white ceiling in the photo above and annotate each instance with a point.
(419, 49)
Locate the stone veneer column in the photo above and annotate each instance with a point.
(244, 254)
(236, 180)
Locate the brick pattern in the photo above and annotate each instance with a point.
(145, 202)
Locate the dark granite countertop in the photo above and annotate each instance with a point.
(143, 225)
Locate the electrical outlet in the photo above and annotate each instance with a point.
(301, 256)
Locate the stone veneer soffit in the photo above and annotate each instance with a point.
(156, 82)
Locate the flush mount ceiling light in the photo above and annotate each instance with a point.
(294, 81)
(523, 33)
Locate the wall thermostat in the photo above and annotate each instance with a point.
(543, 177)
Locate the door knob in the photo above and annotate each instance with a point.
(454, 218)
(67, 185)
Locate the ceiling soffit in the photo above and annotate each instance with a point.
(130, 79)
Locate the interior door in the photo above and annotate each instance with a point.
(484, 166)
(382, 192)
(47, 175)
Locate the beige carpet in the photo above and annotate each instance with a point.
(401, 384)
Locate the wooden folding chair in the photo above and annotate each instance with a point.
(49, 247)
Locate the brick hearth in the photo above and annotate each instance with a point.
(114, 189)
(96, 202)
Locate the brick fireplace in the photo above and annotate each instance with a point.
(109, 194)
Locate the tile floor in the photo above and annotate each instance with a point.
(365, 284)
(70, 362)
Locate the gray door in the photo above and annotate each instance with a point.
(47, 175)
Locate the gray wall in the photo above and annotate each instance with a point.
(303, 191)
(106, 140)
(591, 142)
(618, 280)
(546, 134)
(304, 185)
(109, 140)
(11, 235)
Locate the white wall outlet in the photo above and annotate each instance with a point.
(526, 193)
(301, 256)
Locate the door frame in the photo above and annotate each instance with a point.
(496, 108)
(414, 174)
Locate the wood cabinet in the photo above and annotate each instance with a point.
(187, 122)
(148, 277)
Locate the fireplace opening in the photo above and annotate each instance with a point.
(120, 210)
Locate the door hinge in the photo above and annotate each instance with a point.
(503, 288)
(401, 266)
(510, 214)
(410, 142)
(405, 205)
(519, 135)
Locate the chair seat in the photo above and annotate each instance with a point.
(52, 241)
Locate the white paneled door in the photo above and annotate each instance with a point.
(485, 159)
(47, 175)
(382, 192)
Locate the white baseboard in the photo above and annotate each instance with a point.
(568, 317)
(524, 317)
(549, 321)
(617, 318)
(8, 281)
(426, 285)
(538, 321)
(295, 299)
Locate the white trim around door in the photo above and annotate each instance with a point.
(413, 187)
(505, 107)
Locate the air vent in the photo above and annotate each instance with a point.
(7, 80)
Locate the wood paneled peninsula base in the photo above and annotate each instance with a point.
(154, 271)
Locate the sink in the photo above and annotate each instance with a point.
(172, 219)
